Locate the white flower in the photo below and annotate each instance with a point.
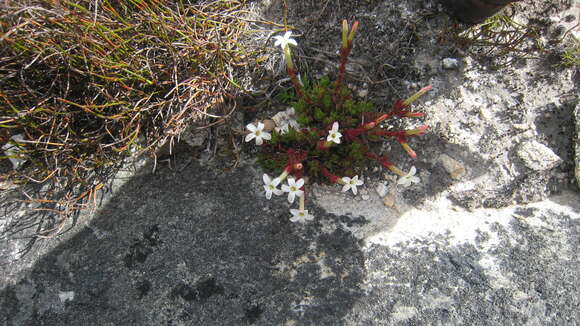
(351, 184)
(258, 133)
(293, 189)
(300, 216)
(409, 178)
(283, 41)
(271, 186)
(333, 134)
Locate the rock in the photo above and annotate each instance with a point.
(194, 138)
(66, 296)
(269, 125)
(13, 150)
(537, 156)
(389, 200)
(284, 120)
(381, 189)
(363, 93)
(455, 169)
(450, 63)
(577, 153)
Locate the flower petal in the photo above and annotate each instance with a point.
(403, 180)
(268, 194)
(291, 182)
(259, 141)
(285, 188)
(279, 40)
(251, 127)
(293, 42)
(295, 212)
(260, 126)
(346, 187)
(299, 183)
(266, 135)
(266, 179)
(276, 182)
(287, 35)
(412, 171)
(277, 192)
(249, 137)
(291, 196)
(354, 191)
(295, 219)
(335, 126)
(299, 193)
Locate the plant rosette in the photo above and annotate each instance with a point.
(327, 135)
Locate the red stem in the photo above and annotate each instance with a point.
(331, 177)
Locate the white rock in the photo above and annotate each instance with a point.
(450, 63)
(285, 120)
(455, 169)
(381, 189)
(537, 156)
(66, 296)
(363, 93)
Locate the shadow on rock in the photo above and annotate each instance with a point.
(191, 248)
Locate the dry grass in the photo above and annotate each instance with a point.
(501, 39)
(89, 82)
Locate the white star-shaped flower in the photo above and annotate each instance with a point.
(283, 41)
(409, 178)
(271, 186)
(293, 189)
(258, 133)
(333, 134)
(301, 216)
(351, 184)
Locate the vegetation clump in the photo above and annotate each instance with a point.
(332, 137)
(87, 83)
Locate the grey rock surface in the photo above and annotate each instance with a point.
(494, 244)
(205, 248)
(577, 138)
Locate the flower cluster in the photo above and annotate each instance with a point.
(327, 130)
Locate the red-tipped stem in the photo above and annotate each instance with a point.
(385, 163)
(331, 177)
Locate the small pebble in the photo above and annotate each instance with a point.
(381, 189)
(66, 296)
(450, 63)
(455, 169)
(389, 201)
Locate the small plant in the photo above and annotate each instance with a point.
(501, 38)
(331, 141)
(571, 56)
